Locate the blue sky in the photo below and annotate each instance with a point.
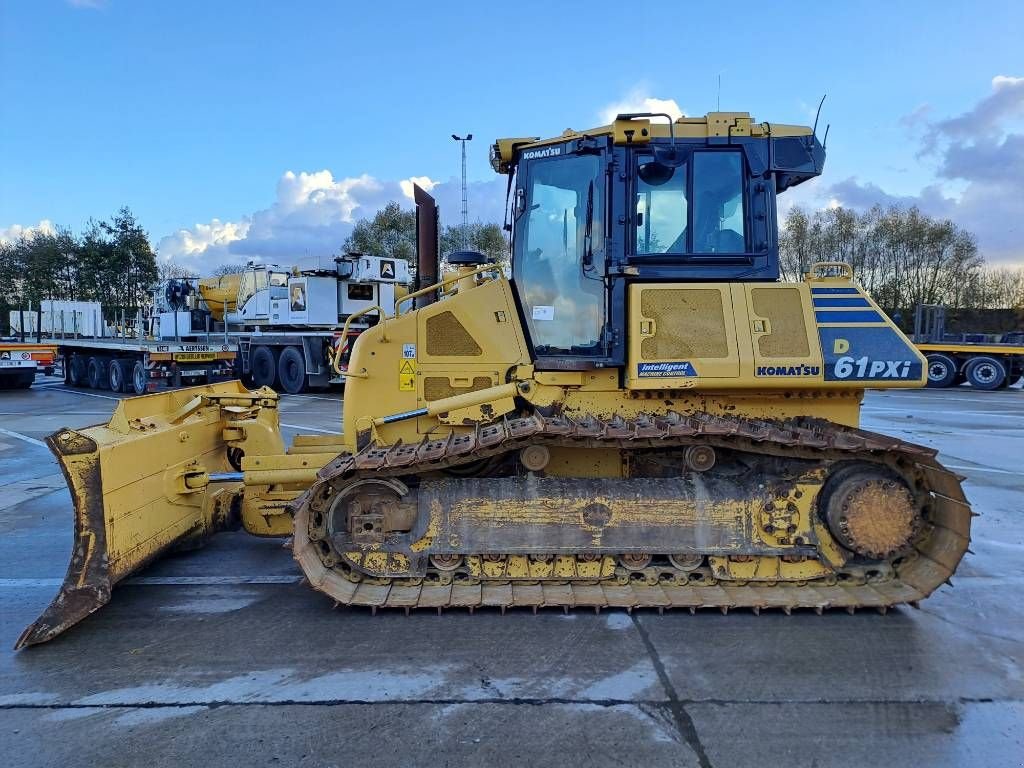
(265, 128)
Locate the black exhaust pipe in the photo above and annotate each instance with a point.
(428, 266)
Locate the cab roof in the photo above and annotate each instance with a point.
(640, 129)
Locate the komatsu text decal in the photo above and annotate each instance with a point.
(665, 370)
(788, 370)
(867, 354)
(534, 154)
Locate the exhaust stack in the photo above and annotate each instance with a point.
(428, 266)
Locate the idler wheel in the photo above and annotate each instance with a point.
(446, 562)
(535, 457)
(686, 562)
(367, 510)
(700, 458)
(635, 561)
(871, 511)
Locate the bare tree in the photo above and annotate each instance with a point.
(901, 256)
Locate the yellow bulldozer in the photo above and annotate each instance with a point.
(642, 416)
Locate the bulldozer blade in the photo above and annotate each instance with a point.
(130, 483)
(87, 584)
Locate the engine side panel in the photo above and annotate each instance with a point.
(820, 334)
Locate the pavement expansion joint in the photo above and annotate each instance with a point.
(516, 701)
(684, 723)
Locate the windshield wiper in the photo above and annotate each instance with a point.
(588, 234)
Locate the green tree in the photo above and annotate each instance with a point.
(488, 239)
(110, 262)
(900, 255)
(132, 261)
(391, 233)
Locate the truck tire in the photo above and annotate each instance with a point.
(986, 373)
(25, 379)
(140, 377)
(76, 374)
(942, 370)
(291, 370)
(264, 367)
(118, 372)
(98, 373)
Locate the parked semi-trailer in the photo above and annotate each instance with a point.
(985, 361)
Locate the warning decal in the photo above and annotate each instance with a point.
(406, 375)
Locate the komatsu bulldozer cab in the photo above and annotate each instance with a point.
(641, 201)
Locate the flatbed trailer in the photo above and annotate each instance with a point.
(142, 365)
(985, 361)
(985, 366)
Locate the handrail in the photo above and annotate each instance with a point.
(336, 358)
(441, 284)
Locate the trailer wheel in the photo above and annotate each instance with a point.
(942, 370)
(25, 379)
(98, 373)
(76, 373)
(986, 373)
(291, 370)
(118, 372)
(264, 367)
(140, 378)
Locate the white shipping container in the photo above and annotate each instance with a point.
(68, 318)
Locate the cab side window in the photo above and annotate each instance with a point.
(718, 203)
(661, 210)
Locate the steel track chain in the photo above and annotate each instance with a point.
(933, 561)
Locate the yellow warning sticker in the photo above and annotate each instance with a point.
(407, 375)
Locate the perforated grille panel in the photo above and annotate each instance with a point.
(439, 387)
(689, 323)
(446, 337)
(782, 307)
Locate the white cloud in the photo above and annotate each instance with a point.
(637, 100)
(985, 119)
(189, 243)
(423, 181)
(17, 231)
(977, 184)
(312, 214)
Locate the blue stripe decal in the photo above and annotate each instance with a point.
(833, 291)
(853, 316)
(843, 301)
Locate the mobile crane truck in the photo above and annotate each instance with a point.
(285, 322)
(278, 328)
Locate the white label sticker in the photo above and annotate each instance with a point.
(409, 351)
(541, 312)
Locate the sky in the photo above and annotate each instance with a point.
(238, 130)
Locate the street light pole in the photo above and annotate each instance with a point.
(465, 200)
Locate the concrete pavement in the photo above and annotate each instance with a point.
(220, 657)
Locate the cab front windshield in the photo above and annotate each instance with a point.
(560, 241)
